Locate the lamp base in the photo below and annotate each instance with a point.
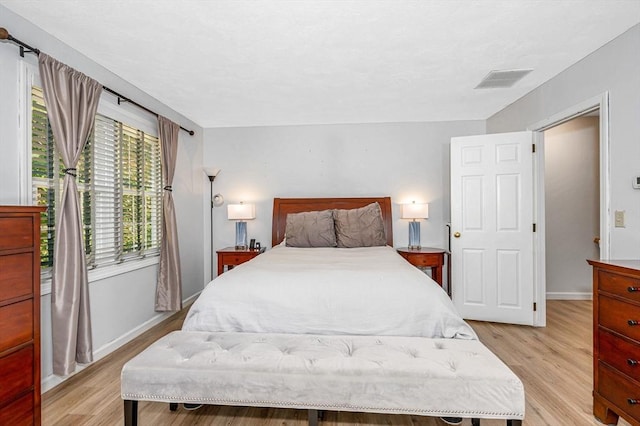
(241, 235)
(414, 235)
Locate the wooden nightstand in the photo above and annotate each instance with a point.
(426, 257)
(230, 257)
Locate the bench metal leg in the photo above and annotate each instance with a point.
(313, 417)
(173, 406)
(130, 413)
(510, 422)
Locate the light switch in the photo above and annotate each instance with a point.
(619, 219)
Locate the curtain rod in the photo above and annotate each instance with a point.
(4, 35)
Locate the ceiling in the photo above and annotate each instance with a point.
(293, 62)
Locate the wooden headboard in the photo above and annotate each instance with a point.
(284, 206)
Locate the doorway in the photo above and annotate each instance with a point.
(572, 205)
(600, 104)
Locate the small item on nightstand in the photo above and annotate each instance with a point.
(258, 246)
(252, 244)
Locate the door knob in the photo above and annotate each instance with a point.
(596, 240)
(457, 235)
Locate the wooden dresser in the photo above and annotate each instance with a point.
(20, 315)
(616, 340)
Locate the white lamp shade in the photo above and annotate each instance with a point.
(211, 171)
(415, 211)
(241, 211)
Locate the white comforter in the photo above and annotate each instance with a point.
(357, 291)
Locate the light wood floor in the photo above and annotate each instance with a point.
(554, 364)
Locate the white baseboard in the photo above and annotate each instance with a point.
(52, 380)
(569, 295)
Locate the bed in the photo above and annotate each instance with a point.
(345, 328)
(369, 291)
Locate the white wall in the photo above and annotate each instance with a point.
(614, 68)
(407, 161)
(121, 305)
(572, 206)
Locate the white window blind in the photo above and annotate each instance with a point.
(44, 181)
(119, 183)
(153, 193)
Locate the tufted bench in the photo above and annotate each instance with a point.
(377, 374)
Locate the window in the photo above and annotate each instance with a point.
(119, 184)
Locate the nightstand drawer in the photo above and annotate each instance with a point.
(425, 257)
(235, 259)
(231, 257)
(424, 260)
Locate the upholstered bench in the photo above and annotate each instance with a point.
(377, 374)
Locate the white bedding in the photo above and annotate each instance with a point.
(356, 291)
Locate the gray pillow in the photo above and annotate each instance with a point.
(310, 229)
(361, 227)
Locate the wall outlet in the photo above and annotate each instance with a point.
(619, 219)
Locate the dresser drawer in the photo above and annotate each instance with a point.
(619, 353)
(621, 285)
(17, 232)
(18, 413)
(16, 323)
(619, 390)
(619, 316)
(16, 275)
(16, 370)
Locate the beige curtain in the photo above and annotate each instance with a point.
(71, 99)
(169, 288)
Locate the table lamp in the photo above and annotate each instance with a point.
(415, 211)
(240, 213)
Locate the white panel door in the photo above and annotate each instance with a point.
(492, 227)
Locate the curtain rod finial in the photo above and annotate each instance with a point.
(4, 34)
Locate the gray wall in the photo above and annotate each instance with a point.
(122, 305)
(614, 68)
(407, 161)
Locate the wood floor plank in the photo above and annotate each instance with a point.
(554, 363)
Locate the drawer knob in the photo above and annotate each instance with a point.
(633, 322)
(632, 362)
(632, 289)
(633, 401)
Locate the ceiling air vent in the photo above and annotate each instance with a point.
(502, 79)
